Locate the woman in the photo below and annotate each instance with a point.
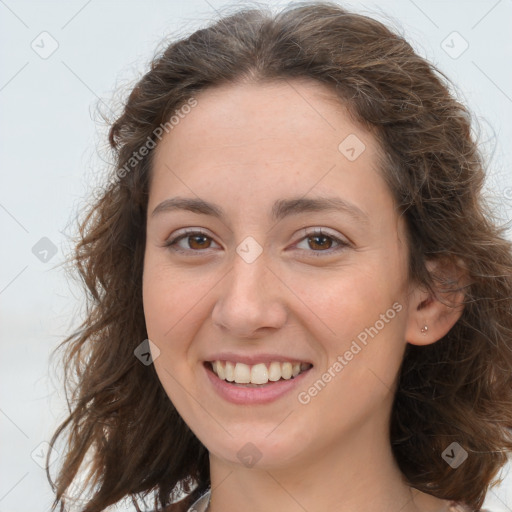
(298, 299)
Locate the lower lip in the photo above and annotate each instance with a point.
(260, 395)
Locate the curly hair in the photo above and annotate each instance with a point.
(458, 389)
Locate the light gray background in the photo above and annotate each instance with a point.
(51, 141)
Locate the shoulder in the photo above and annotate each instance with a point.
(459, 507)
(201, 504)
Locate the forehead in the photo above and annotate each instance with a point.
(260, 141)
(294, 112)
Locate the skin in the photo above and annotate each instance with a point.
(243, 147)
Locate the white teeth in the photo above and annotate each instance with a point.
(286, 371)
(259, 374)
(241, 373)
(274, 371)
(229, 370)
(220, 371)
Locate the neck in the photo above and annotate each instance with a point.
(357, 473)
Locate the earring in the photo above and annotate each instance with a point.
(424, 330)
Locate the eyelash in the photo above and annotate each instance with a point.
(171, 244)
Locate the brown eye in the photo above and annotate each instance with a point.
(321, 242)
(190, 241)
(198, 241)
(318, 242)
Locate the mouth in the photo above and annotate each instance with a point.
(257, 375)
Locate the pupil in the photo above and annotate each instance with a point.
(199, 237)
(319, 237)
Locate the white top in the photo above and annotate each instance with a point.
(202, 502)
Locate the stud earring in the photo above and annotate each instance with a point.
(424, 330)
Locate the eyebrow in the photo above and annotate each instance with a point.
(281, 208)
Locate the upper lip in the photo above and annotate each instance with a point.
(251, 359)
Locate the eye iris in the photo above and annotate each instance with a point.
(194, 238)
(321, 237)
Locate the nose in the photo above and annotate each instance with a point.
(251, 300)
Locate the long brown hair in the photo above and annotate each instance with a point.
(458, 389)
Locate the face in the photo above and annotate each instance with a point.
(289, 250)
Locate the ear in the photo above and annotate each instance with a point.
(432, 315)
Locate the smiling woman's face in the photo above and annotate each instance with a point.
(256, 282)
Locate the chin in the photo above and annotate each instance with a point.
(255, 449)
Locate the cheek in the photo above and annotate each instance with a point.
(169, 298)
(175, 308)
(358, 315)
(362, 357)
(170, 304)
(343, 303)
(160, 303)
